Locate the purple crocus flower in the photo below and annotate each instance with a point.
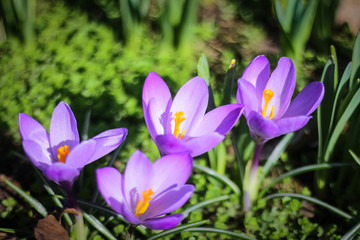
(182, 125)
(60, 155)
(148, 192)
(268, 110)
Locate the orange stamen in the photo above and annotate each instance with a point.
(268, 94)
(178, 118)
(62, 153)
(143, 205)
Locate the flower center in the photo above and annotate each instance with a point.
(62, 153)
(268, 94)
(178, 118)
(143, 204)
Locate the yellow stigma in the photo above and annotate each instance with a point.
(268, 94)
(62, 153)
(178, 118)
(143, 205)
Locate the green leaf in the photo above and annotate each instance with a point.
(186, 212)
(355, 73)
(229, 84)
(275, 155)
(300, 171)
(356, 158)
(344, 79)
(313, 200)
(351, 233)
(32, 201)
(178, 229)
(203, 69)
(98, 225)
(354, 103)
(219, 177)
(219, 231)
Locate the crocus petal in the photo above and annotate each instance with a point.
(170, 201)
(163, 223)
(246, 94)
(138, 174)
(282, 83)
(287, 125)
(158, 122)
(192, 100)
(169, 144)
(261, 129)
(155, 88)
(220, 120)
(306, 101)
(110, 183)
(63, 128)
(81, 154)
(200, 145)
(107, 141)
(33, 130)
(171, 170)
(257, 74)
(62, 173)
(39, 156)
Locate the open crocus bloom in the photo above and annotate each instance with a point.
(60, 155)
(148, 191)
(268, 110)
(182, 125)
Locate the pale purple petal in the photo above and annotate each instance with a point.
(220, 120)
(257, 73)
(306, 101)
(169, 144)
(169, 202)
(39, 156)
(110, 184)
(162, 223)
(200, 145)
(129, 216)
(246, 94)
(171, 171)
(261, 129)
(30, 129)
(138, 174)
(63, 128)
(81, 154)
(192, 100)
(107, 141)
(61, 173)
(287, 125)
(282, 83)
(158, 120)
(155, 88)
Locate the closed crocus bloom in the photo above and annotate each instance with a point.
(60, 155)
(268, 110)
(181, 125)
(147, 192)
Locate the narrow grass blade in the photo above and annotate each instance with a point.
(14, 231)
(176, 230)
(85, 134)
(275, 155)
(313, 200)
(219, 231)
(186, 212)
(300, 171)
(351, 233)
(356, 158)
(229, 84)
(219, 177)
(99, 226)
(355, 73)
(354, 103)
(203, 71)
(344, 79)
(32, 201)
